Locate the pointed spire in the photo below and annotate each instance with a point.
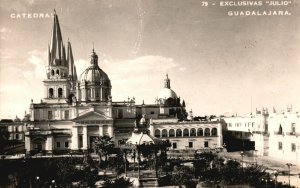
(57, 51)
(70, 60)
(74, 73)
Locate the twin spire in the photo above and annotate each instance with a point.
(57, 54)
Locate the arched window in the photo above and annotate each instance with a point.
(185, 132)
(60, 92)
(157, 133)
(200, 132)
(51, 93)
(171, 133)
(214, 132)
(206, 132)
(178, 132)
(280, 129)
(57, 72)
(193, 132)
(164, 133)
(52, 72)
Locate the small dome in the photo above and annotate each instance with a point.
(143, 120)
(94, 74)
(167, 93)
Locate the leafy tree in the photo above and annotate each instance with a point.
(182, 176)
(103, 146)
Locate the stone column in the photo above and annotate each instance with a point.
(49, 143)
(100, 130)
(28, 144)
(84, 137)
(74, 145)
(110, 130)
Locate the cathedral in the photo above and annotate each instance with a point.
(76, 110)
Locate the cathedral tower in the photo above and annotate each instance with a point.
(61, 72)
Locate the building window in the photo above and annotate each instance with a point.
(17, 137)
(185, 132)
(293, 127)
(52, 72)
(66, 144)
(120, 113)
(80, 144)
(60, 92)
(171, 133)
(152, 112)
(193, 132)
(51, 93)
(279, 145)
(190, 144)
(67, 114)
(214, 131)
(229, 125)
(157, 133)
(200, 132)
(206, 144)
(293, 147)
(164, 133)
(174, 145)
(58, 144)
(178, 132)
(206, 132)
(280, 129)
(57, 72)
(50, 115)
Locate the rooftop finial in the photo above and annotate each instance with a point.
(54, 11)
(93, 47)
(167, 75)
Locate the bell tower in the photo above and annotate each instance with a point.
(61, 71)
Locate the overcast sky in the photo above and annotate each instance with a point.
(216, 63)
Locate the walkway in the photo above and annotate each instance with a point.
(271, 164)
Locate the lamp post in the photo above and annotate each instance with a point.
(266, 180)
(289, 166)
(242, 155)
(37, 181)
(186, 149)
(125, 162)
(276, 174)
(53, 183)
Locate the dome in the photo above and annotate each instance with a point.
(167, 93)
(94, 74)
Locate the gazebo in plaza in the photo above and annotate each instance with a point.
(140, 141)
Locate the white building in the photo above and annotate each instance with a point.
(275, 134)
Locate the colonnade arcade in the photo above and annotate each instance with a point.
(185, 132)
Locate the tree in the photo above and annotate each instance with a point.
(182, 176)
(103, 146)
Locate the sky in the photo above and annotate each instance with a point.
(218, 64)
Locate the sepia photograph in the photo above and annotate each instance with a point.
(150, 93)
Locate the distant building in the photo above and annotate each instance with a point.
(284, 140)
(273, 134)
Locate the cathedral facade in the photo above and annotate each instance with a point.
(76, 110)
